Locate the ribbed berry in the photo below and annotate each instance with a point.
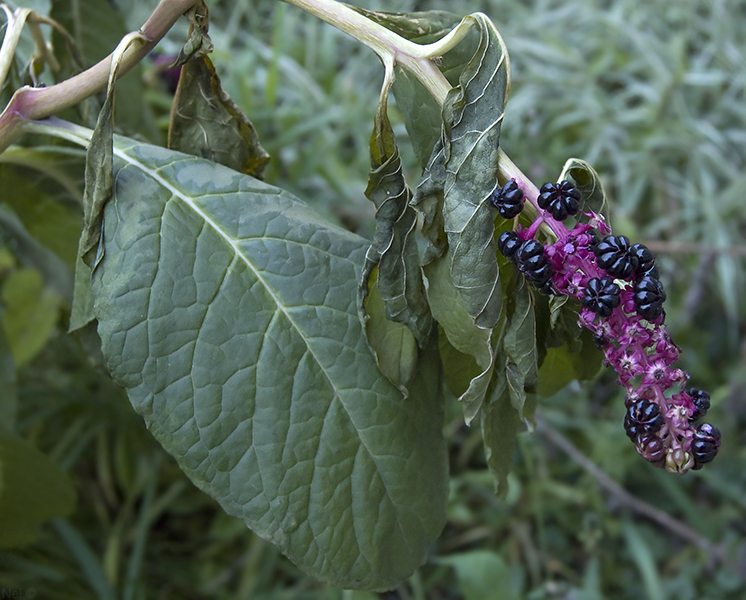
(614, 255)
(533, 262)
(642, 417)
(701, 401)
(705, 444)
(508, 243)
(560, 199)
(508, 200)
(645, 261)
(651, 448)
(601, 296)
(649, 297)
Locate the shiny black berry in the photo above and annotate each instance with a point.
(561, 199)
(600, 340)
(508, 200)
(533, 262)
(705, 444)
(645, 261)
(508, 243)
(614, 255)
(601, 296)
(701, 401)
(651, 448)
(642, 417)
(649, 297)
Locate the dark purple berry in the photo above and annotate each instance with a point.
(705, 444)
(642, 417)
(701, 401)
(645, 261)
(649, 297)
(600, 340)
(614, 255)
(561, 199)
(601, 296)
(533, 262)
(508, 200)
(651, 448)
(508, 243)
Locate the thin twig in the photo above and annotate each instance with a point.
(682, 530)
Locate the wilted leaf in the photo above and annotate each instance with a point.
(422, 113)
(393, 344)
(500, 426)
(394, 248)
(32, 490)
(449, 311)
(428, 200)
(206, 123)
(519, 345)
(227, 309)
(472, 115)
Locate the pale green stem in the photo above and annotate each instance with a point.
(13, 30)
(38, 103)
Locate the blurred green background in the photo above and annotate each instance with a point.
(652, 94)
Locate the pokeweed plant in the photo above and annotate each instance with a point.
(297, 371)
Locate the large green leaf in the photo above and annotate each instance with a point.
(472, 116)
(227, 309)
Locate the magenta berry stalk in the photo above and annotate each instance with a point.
(625, 315)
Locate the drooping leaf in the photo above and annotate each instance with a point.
(422, 113)
(393, 344)
(205, 122)
(394, 248)
(448, 309)
(32, 490)
(472, 115)
(227, 309)
(519, 346)
(31, 313)
(589, 183)
(428, 200)
(458, 368)
(500, 423)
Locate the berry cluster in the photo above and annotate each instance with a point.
(621, 296)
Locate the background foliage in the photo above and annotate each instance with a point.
(652, 95)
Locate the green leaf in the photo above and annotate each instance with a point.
(428, 200)
(472, 116)
(394, 248)
(31, 253)
(32, 490)
(8, 385)
(482, 575)
(205, 122)
(589, 183)
(500, 424)
(519, 345)
(227, 309)
(31, 313)
(448, 309)
(393, 344)
(422, 114)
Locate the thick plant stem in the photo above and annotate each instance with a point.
(38, 103)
